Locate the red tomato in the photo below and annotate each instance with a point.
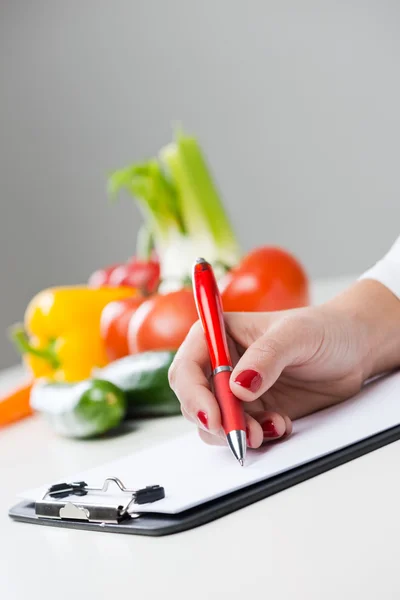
(140, 274)
(162, 322)
(267, 279)
(114, 324)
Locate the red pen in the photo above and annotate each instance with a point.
(209, 307)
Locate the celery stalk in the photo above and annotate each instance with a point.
(182, 208)
(201, 208)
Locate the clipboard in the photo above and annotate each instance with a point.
(157, 524)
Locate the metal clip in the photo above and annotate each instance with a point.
(50, 507)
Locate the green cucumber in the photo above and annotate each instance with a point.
(80, 410)
(144, 379)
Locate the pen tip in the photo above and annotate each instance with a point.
(200, 260)
(237, 443)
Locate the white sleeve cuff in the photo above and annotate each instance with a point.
(387, 270)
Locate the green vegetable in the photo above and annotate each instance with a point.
(144, 379)
(182, 208)
(80, 410)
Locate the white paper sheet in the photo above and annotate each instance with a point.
(193, 473)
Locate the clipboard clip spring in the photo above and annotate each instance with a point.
(52, 505)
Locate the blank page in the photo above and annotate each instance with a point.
(192, 472)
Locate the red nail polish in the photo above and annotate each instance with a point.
(202, 417)
(269, 430)
(249, 379)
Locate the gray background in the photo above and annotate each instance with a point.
(296, 104)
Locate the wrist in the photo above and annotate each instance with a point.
(375, 313)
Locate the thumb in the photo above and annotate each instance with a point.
(287, 342)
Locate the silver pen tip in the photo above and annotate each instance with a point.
(237, 443)
(200, 260)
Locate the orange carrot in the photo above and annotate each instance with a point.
(15, 405)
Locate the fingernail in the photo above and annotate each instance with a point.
(202, 417)
(249, 379)
(248, 436)
(269, 430)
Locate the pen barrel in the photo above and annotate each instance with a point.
(232, 413)
(211, 314)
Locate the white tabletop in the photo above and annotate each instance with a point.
(334, 536)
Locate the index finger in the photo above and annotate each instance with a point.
(188, 378)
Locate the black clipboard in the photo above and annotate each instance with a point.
(155, 524)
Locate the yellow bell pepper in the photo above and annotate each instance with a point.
(61, 337)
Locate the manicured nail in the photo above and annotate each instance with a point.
(202, 417)
(249, 379)
(269, 430)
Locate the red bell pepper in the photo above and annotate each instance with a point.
(101, 277)
(143, 275)
(140, 274)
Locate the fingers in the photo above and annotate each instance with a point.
(287, 341)
(212, 439)
(276, 341)
(187, 377)
(261, 427)
(266, 426)
(188, 373)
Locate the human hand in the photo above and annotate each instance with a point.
(287, 364)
